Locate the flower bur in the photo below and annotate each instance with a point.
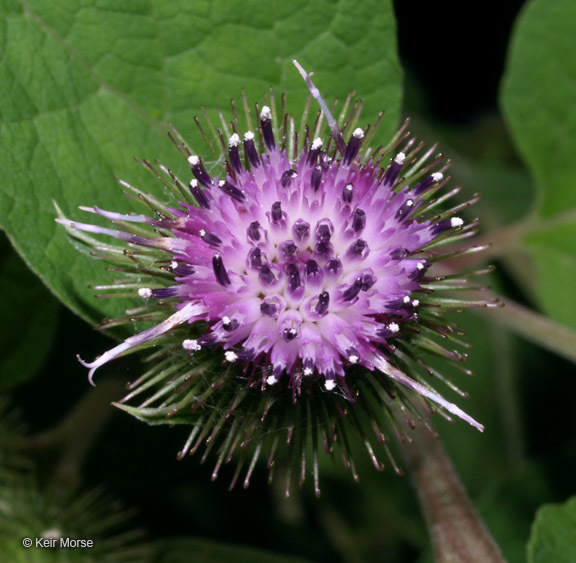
(294, 294)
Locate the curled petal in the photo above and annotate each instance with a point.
(186, 314)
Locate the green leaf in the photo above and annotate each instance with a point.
(554, 534)
(538, 99)
(538, 102)
(27, 319)
(91, 85)
(553, 250)
(181, 550)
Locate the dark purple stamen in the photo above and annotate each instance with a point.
(400, 254)
(316, 179)
(268, 134)
(397, 304)
(368, 280)
(405, 209)
(301, 230)
(234, 155)
(353, 290)
(323, 250)
(293, 274)
(220, 271)
(182, 270)
(253, 231)
(199, 195)
(287, 177)
(255, 258)
(324, 230)
(266, 275)
(384, 332)
(289, 334)
(276, 212)
(199, 171)
(359, 220)
(209, 238)
(312, 156)
(312, 270)
(427, 183)
(419, 272)
(288, 250)
(391, 174)
(334, 267)
(250, 150)
(353, 146)
(358, 249)
(325, 161)
(208, 339)
(347, 193)
(323, 303)
(230, 325)
(444, 226)
(269, 308)
(165, 292)
(246, 355)
(231, 190)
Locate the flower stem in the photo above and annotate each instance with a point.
(535, 327)
(458, 533)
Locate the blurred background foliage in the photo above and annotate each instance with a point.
(88, 85)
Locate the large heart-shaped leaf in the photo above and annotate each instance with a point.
(538, 101)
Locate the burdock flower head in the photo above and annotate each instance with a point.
(301, 289)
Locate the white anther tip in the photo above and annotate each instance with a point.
(231, 356)
(400, 158)
(234, 140)
(266, 113)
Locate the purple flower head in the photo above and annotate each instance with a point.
(304, 267)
